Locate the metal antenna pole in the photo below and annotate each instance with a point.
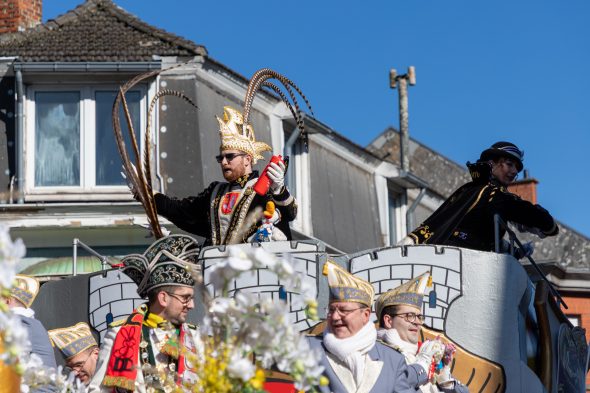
(403, 81)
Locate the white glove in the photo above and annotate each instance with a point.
(276, 174)
(406, 241)
(444, 377)
(429, 351)
(276, 217)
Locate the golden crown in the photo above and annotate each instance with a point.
(235, 136)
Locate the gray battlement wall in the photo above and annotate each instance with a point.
(476, 304)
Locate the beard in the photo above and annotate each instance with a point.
(232, 175)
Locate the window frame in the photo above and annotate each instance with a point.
(88, 190)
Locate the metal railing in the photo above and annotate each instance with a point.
(104, 261)
(500, 223)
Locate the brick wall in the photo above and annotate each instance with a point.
(579, 307)
(19, 15)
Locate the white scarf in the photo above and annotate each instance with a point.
(391, 337)
(25, 312)
(351, 350)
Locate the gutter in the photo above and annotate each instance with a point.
(288, 152)
(88, 66)
(20, 126)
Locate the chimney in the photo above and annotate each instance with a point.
(525, 188)
(19, 15)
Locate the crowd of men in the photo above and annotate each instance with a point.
(357, 355)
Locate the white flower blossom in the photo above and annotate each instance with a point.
(262, 326)
(241, 367)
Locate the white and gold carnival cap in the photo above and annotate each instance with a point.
(345, 287)
(410, 293)
(72, 340)
(25, 289)
(234, 136)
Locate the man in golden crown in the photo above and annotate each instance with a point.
(399, 312)
(22, 295)
(224, 212)
(79, 349)
(353, 359)
(138, 351)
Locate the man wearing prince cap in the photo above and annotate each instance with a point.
(136, 351)
(79, 348)
(23, 293)
(353, 360)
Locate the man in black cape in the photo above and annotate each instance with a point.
(466, 218)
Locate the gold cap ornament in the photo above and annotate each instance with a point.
(25, 289)
(72, 340)
(345, 287)
(410, 293)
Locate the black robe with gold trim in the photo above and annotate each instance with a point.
(466, 218)
(200, 215)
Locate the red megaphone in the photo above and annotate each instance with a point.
(262, 185)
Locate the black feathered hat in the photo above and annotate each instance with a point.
(168, 261)
(504, 149)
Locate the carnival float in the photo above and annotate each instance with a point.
(505, 321)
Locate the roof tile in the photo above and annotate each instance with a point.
(97, 30)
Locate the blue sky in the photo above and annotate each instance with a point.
(486, 71)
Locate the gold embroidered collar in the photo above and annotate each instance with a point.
(242, 180)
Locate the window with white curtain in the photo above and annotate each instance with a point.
(69, 130)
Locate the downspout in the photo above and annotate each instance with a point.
(409, 218)
(20, 123)
(288, 151)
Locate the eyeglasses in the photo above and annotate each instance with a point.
(184, 300)
(228, 156)
(343, 312)
(411, 317)
(79, 365)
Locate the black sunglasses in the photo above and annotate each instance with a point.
(228, 156)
